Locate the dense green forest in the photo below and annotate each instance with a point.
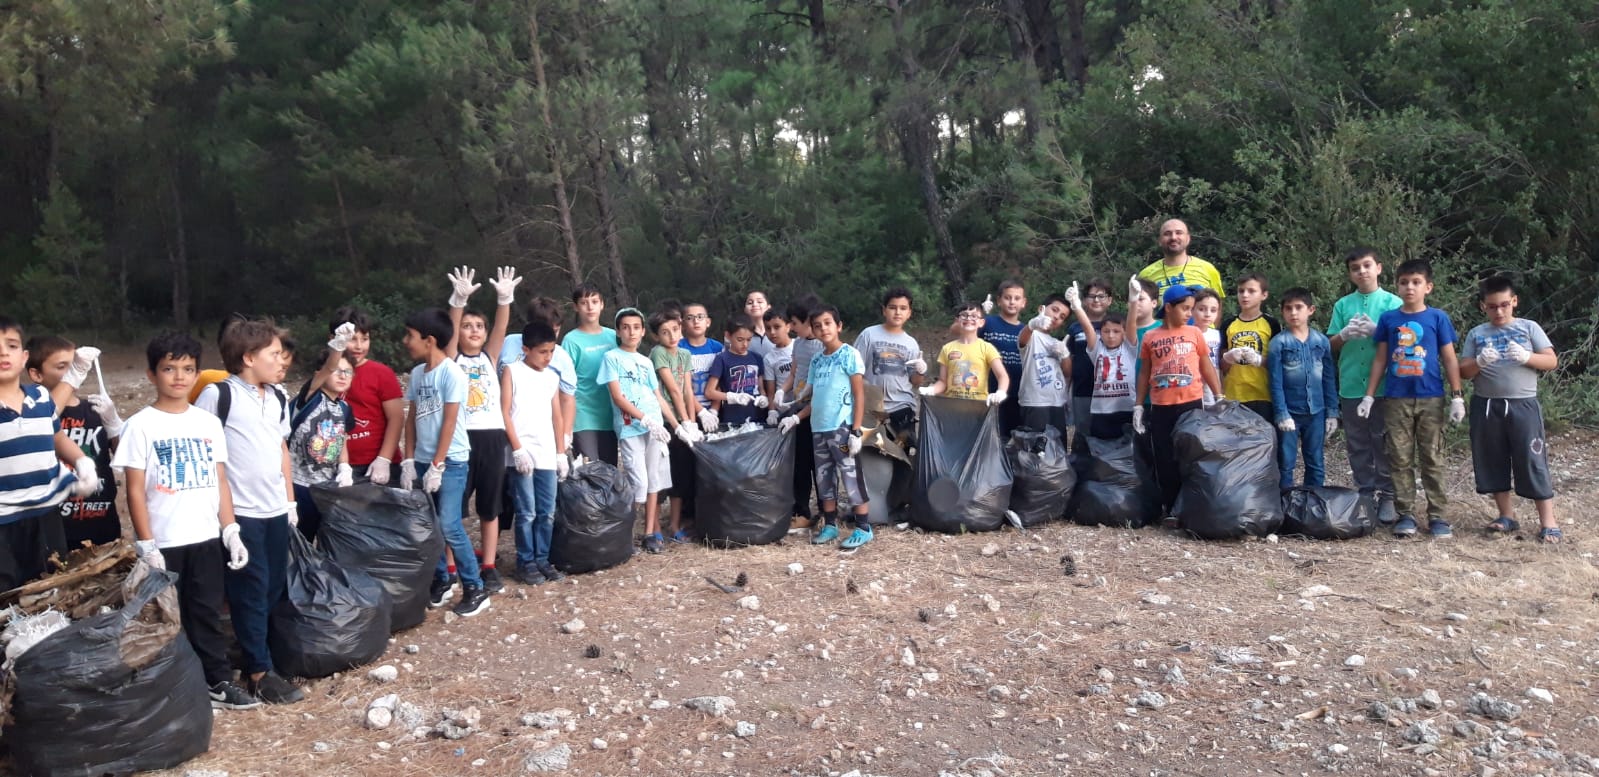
(176, 160)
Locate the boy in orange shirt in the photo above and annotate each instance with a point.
(1173, 372)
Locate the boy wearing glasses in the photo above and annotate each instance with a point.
(319, 429)
(965, 364)
(1096, 303)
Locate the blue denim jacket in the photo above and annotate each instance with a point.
(1304, 380)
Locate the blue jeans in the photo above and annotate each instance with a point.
(447, 503)
(534, 496)
(1309, 435)
(256, 589)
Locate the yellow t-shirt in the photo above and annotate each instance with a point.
(1243, 382)
(206, 378)
(968, 368)
(1194, 272)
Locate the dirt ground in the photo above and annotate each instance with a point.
(1147, 653)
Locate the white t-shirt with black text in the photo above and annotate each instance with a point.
(1114, 374)
(178, 454)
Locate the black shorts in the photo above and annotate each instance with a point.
(1508, 450)
(26, 546)
(485, 473)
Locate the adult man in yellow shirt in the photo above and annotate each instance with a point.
(1176, 267)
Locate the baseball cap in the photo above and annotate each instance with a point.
(1176, 294)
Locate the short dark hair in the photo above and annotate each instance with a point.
(1056, 297)
(825, 309)
(1361, 252)
(537, 333)
(174, 346)
(287, 342)
(474, 313)
(1299, 294)
(9, 324)
(353, 315)
(43, 346)
(1420, 267)
(328, 353)
(243, 337)
(432, 322)
(962, 307)
(1010, 283)
(1492, 284)
(773, 314)
(1205, 292)
(1151, 289)
(544, 310)
(738, 321)
(671, 306)
(1252, 276)
(1114, 317)
(800, 309)
(661, 318)
(616, 320)
(585, 290)
(1098, 283)
(896, 293)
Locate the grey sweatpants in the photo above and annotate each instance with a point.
(1364, 439)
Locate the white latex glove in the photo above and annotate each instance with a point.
(563, 467)
(1134, 289)
(1138, 419)
(1364, 408)
(658, 432)
(88, 477)
(107, 411)
(688, 434)
(988, 304)
(1516, 353)
(408, 474)
(1332, 426)
(928, 391)
(1232, 355)
(378, 473)
(1057, 351)
(504, 284)
(341, 337)
(83, 360)
(787, 424)
(1074, 296)
(737, 398)
(461, 286)
(1250, 357)
(1489, 355)
(918, 364)
(1354, 330)
(1287, 425)
(150, 554)
(433, 479)
(760, 401)
(773, 417)
(522, 459)
(780, 400)
(709, 421)
(294, 513)
(1457, 410)
(996, 398)
(346, 476)
(854, 445)
(1041, 322)
(238, 555)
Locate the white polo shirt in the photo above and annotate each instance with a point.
(257, 425)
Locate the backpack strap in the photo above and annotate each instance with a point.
(224, 401)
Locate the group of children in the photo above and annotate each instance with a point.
(220, 467)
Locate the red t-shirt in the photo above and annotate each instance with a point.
(1172, 357)
(372, 385)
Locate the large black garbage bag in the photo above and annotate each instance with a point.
(963, 480)
(1043, 474)
(390, 534)
(1114, 486)
(593, 520)
(745, 488)
(115, 693)
(1328, 513)
(332, 617)
(1228, 458)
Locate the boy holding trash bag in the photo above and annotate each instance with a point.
(1173, 371)
(640, 416)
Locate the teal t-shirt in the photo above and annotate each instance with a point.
(1354, 358)
(592, 399)
(636, 375)
(1138, 364)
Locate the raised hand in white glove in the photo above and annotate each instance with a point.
(83, 360)
(1364, 408)
(504, 284)
(433, 480)
(1457, 410)
(918, 364)
(563, 467)
(1488, 356)
(238, 555)
(461, 286)
(150, 554)
(773, 417)
(1138, 419)
(1287, 425)
(522, 459)
(1516, 353)
(341, 337)
(294, 514)
(854, 443)
(107, 410)
(1134, 288)
(1074, 296)
(708, 420)
(378, 472)
(1356, 329)
(345, 477)
(88, 477)
(737, 398)
(1041, 322)
(688, 434)
(996, 398)
(988, 304)
(928, 391)
(787, 424)
(408, 474)
(1331, 426)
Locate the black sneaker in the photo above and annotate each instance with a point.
(474, 599)
(227, 696)
(530, 576)
(491, 580)
(439, 594)
(551, 573)
(273, 689)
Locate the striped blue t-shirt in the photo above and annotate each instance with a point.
(32, 480)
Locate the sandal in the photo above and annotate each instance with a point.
(1550, 535)
(1503, 525)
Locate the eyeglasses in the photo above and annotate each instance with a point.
(344, 373)
(969, 317)
(1499, 306)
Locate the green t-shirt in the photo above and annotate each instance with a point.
(1354, 358)
(593, 400)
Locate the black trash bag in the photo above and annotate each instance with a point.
(593, 520)
(1043, 474)
(1114, 486)
(745, 488)
(1228, 458)
(331, 618)
(112, 694)
(1328, 513)
(390, 534)
(963, 480)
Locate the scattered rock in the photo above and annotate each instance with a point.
(320, 747)
(412, 649)
(573, 626)
(1338, 749)
(1150, 699)
(542, 720)
(1174, 675)
(715, 706)
(1457, 617)
(1493, 709)
(744, 729)
(659, 704)
(1098, 690)
(796, 568)
(450, 617)
(1158, 599)
(1379, 711)
(751, 602)
(907, 657)
(548, 758)
(1355, 661)
(384, 674)
(999, 692)
(1429, 700)
(1315, 591)
(1404, 673)
(1541, 694)
(991, 549)
(1422, 733)
(205, 773)
(1238, 656)
(599, 744)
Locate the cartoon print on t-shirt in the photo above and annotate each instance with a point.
(477, 393)
(1410, 358)
(961, 374)
(1171, 364)
(328, 441)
